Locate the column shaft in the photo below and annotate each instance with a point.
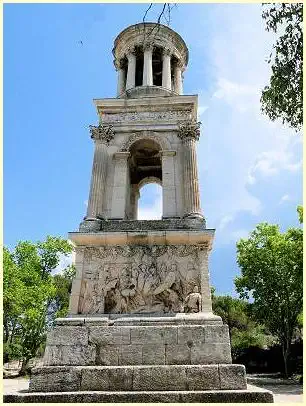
(120, 87)
(178, 82)
(205, 285)
(130, 80)
(169, 189)
(147, 79)
(121, 186)
(98, 179)
(191, 183)
(166, 77)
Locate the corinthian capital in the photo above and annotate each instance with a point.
(102, 133)
(189, 129)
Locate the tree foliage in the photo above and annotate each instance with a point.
(244, 331)
(28, 291)
(283, 97)
(271, 266)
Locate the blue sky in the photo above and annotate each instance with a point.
(250, 169)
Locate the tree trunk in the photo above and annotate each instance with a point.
(286, 353)
(24, 366)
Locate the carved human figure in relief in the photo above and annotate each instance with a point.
(193, 301)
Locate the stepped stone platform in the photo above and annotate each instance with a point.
(137, 358)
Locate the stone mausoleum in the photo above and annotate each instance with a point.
(140, 326)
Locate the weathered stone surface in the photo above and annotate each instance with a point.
(56, 381)
(216, 334)
(130, 354)
(203, 377)
(72, 335)
(162, 378)
(191, 335)
(177, 354)
(95, 379)
(153, 354)
(154, 335)
(232, 376)
(229, 396)
(107, 355)
(109, 335)
(70, 355)
(210, 354)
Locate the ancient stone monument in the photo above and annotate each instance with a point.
(141, 326)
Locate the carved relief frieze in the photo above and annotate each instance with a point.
(140, 278)
(145, 115)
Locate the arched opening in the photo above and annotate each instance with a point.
(150, 203)
(145, 167)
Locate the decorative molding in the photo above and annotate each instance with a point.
(189, 129)
(146, 115)
(144, 135)
(102, 133)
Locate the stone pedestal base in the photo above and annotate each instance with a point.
(121, 358)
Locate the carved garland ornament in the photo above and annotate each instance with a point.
(135, 137)
(104, 133)
(189, 129)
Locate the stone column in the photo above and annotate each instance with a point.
(77, 281)
(131, 72)
(166, 77)
(147, 78)
(101, 135)
(189, 133)
(121, 84)
(204, 275)
(178, 80)
(120, 187)
(168, 184)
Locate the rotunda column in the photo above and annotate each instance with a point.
(131, 72)
(101, 135)
(189, 133)
(120, 83)
(147, 78)
(178, 80)
(166, 77)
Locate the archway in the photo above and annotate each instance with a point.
(150, 202)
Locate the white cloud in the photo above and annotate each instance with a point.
(225, 221)
(240, 145)
(86, 203)
(65, 260)
(285, 198)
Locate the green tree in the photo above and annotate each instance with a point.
(243, 330)
(283, 97)
(63, 283)
(28, 290)
(271, 266)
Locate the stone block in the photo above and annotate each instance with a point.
(107, 355)
(153, 354)
(120, 379)
(130, 354)
(70, 355)
(55, 381)
(178, 354)
(203, 377)
(191, 335)
(154, 335)
(216, 334)
(95, 379)
(109, 335)
(68, 335)
(232, 376)
(163, 378)
(210, 354)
